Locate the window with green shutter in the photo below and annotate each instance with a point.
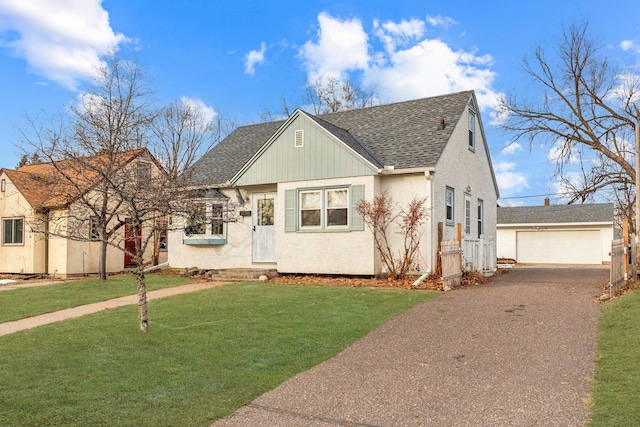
(323, 209)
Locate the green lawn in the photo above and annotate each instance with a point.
(21, 303)
(617, 379)
(206, 354)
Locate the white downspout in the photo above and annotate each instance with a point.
(429, 174)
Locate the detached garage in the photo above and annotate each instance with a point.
(558, 234)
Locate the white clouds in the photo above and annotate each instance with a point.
(440, 21)
(62, 40)
(341, 46)
(393, 34)
(254, 57)
(509, 181)
(565, 188)
(511, 148)
(627, 45)
(408, 66)
(207, 113)
(560, 152)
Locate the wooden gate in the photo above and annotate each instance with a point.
(451, 264)
(618, 260)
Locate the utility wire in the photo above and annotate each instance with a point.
(525, 197)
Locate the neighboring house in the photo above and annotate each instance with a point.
(34, 198)
(556, 234)
(282, 195)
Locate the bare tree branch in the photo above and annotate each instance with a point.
(586, 112)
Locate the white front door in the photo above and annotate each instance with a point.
(264, 230)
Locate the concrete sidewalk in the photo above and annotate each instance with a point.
(516, 352)
(56, 316)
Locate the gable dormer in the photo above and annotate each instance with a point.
(306, 148)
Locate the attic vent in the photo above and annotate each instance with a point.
(299, 138)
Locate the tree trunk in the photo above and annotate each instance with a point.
(102, 262)
(142, 301)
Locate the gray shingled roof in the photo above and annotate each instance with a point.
(555, 214)
(404, 135)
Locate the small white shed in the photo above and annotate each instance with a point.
(556, 234)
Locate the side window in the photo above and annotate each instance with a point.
(216, 219)
(143, 173)
(94, 229)
(467, 215)
(449, 198)
(472, 130)
(480, 218)
(13, 231)
(195, 222)
(163, 242)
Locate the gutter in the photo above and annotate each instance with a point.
(391, 170)
(553, 224)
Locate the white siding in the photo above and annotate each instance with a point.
(461, 168)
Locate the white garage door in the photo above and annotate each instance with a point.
(559, 247)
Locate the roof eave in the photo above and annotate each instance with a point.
(554, 224)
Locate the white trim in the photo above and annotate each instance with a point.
(555, 224)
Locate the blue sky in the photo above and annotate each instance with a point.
(238, 58)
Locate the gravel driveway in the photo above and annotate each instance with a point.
(516, 352)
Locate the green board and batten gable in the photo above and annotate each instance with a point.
(307, 148)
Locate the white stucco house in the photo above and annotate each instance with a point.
(282, 195)
(556, 234)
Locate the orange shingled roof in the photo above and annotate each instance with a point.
(54, 185)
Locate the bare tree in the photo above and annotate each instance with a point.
(104, 184)
(331, 94)
(325, 95)
(587, 113)
(184, 133)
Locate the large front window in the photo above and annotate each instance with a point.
(326, 208)
(13, 231)
(205, 219)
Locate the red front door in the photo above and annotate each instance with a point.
(130, 244)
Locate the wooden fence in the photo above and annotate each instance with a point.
(618, 262)
(451, 256)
